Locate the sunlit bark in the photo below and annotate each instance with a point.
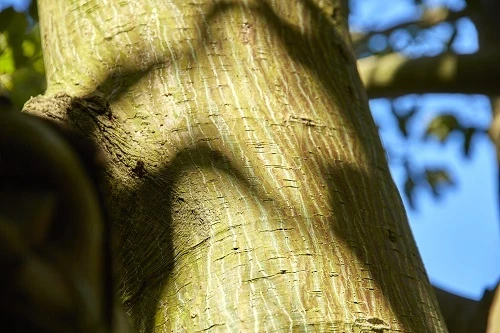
(250, 191)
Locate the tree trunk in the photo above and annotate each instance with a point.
(249, 189)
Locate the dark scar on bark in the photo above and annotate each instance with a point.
(93, 103)
(139, 170)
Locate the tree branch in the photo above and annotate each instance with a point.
(465, 315)
(395, 75)
(429, 18)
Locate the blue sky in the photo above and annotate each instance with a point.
(458, 236)
(18, 5)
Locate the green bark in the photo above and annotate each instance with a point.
(250, 191)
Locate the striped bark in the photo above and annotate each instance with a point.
(250, 191)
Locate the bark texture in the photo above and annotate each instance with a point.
(250, 191)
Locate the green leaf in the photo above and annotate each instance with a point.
(6, 17)
(468, 134)
(22, 72)
(403, 120)
(26, 83)
(7, 65)
(441, 127)
(16, 34)
(437, 180)
(409, 190)
(33, 10)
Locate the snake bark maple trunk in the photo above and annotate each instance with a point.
(250, 191)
